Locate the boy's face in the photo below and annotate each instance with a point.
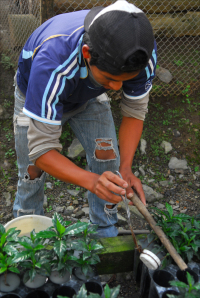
(108, 81)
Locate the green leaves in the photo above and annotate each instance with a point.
(109, 293)
(57, 217)
(189, 290)
(6, 263)
(46, 234)
(8, 243)
(49, 249)
(60, 228)
(60, 248)
(76, 228)
(169, 209)
(182, 230)
(82, 293)
(2, 229)
(178, 284)
(21, 256)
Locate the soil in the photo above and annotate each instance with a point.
(166, 116)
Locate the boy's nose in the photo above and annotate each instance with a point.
(115, 85)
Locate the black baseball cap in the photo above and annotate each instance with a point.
(119, 30)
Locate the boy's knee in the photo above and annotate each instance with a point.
(105, 150)
(33, 172)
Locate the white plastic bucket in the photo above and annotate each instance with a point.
(27, 223)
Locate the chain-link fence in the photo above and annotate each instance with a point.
(176, 25)
(18, 19)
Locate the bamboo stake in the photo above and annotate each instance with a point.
(163, 238)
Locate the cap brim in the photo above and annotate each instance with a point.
(91, 15)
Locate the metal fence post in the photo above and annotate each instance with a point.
(46, 10)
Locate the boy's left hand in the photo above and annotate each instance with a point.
(134, 183)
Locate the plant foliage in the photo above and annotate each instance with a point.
(189, 290)
(52, 249)
(182, 230)
(33, 257)
(8, 248)
(109, 293)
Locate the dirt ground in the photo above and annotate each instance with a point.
(166, 116)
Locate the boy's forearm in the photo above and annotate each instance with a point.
(129, 136)
(106, 186)
(63, 169)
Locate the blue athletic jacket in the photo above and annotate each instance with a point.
(53, 75)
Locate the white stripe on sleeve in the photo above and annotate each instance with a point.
(56, 86)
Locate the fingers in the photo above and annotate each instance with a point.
(113, 183)
(108, 196)
(110, 187)
(136, 186)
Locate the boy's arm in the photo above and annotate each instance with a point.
(129, 136)
(63, 169)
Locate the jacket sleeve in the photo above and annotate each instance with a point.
(42, 137)
(134, 108)
(135, 96)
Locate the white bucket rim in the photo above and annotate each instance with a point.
(17, 219)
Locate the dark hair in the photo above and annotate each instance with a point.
(137, 61)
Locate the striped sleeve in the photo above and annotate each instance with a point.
(50, 82)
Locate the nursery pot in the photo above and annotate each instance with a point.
(182, 275)
(64, 291)
(56, 278)
(12, 282)
(37, 282)
(77, 271)
(38, 294)
(93, 287)
(162, 278)
(27, 223)
(11, 295)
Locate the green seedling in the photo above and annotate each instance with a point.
(189, 290)
(6, 129)
(16, 165)
(78, 158)
(179, 62)
(84, 163)
(7, 104)
(109, 293)
(34, 257)
(61, 242)
(6, 176)
(6, 62)
(49, 209)
(10, 153)
(67, 135)
(8, 243)
(57, 183)
(182, 230)
(89, 248)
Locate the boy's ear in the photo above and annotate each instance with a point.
(85, 51)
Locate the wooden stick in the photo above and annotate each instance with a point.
(163, 238)
(136, 232)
